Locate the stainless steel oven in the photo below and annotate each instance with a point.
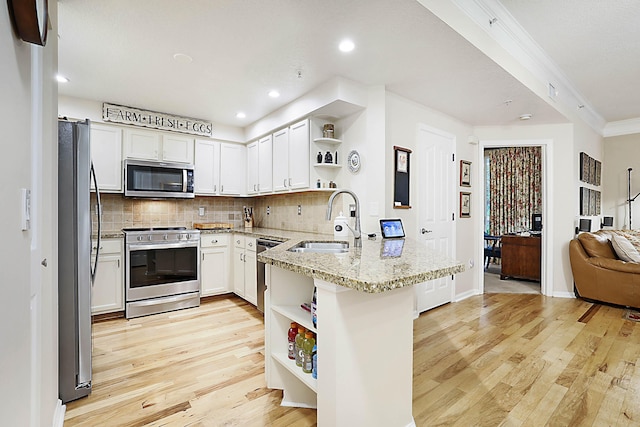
(162, 270)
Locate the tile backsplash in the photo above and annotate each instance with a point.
(119, 212)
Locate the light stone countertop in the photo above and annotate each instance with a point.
(365, 269)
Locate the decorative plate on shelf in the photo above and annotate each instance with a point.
(353, 161)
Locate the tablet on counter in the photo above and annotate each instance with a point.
(391, 229)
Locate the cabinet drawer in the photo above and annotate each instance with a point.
(213, 240)
(107, 246)
(238, 240)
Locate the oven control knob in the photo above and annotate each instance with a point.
(165, 237)
(139, 238)
(149, 237)
(188, 236)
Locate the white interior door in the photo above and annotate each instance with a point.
(436, 189)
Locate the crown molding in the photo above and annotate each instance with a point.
(622, 127)
(518, 53)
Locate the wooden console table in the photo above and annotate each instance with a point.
(521, 257)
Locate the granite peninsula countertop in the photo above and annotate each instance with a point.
(373, 268)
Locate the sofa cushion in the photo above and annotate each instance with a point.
(596, 245)
(624, 249)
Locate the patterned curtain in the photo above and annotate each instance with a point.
(515, 188)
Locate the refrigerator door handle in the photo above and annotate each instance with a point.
(99, 213)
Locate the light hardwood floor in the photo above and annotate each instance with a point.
(499, 359)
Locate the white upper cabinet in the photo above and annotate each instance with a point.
(142, 144)
(291, 157)
(252, 168)
(177, 148)
(265, 165)
(149, 145)
(232, 169)
(207, 167)
(106, 154)
(299, 155)
(281, 160)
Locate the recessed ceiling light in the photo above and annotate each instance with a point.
(61, 79)
(240, 115)
(346, 45)
(526, 117)
(274, 94)
(182, 58)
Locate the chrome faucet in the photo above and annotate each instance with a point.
(357, 242)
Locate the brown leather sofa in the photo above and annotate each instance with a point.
(599, 275)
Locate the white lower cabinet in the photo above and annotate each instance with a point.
(108, 288)
(215, 264)
(244, 268)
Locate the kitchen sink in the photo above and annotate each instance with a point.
(321, 247)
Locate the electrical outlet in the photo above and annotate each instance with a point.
(268, 210)
(299, 209)
(201, 211)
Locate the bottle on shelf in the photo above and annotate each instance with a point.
(314, 360)
(307, 352)
(335, 158)
(314, 306)
(298, 345)
(328, 158)
(319, 158)
(293, 331)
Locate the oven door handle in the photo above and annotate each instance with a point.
(149, 246)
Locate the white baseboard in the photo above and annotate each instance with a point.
(58, 416)
(465, 295)
(564, 295)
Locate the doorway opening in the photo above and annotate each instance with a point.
(515, 198)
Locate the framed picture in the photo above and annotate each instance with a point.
(592, 170)
(465, 204)
(584, 201)
(598, 173)
(584, 167)
(402, 166)
(402, 157)
(598, 201)
(465, 173)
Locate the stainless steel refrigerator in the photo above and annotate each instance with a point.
(75, 272)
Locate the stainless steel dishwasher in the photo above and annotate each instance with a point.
(261, 246)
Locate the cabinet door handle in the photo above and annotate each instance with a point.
(214, 241)
(203, 257)
(118, 263)
(215, 188)
(289, 182)
(222, 188)
(425, 231)
(285, 182)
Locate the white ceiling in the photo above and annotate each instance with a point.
(597, 45)
(121, 51)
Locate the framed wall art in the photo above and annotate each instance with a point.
(465, 173)
(402, 170)
(465, 204)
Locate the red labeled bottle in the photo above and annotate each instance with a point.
(293, 331)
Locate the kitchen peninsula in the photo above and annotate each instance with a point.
(365, 300)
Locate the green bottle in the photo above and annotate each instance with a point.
(307, 350)
(299, 340)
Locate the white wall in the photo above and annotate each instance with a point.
(567, 141)
(28, 320)
(620, 154)
(403, 117)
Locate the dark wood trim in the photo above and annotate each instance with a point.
(96, 318)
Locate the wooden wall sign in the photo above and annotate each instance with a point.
(154, 120)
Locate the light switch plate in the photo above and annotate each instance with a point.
(25, 209)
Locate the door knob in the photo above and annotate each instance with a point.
(44, 262)
(425, 231)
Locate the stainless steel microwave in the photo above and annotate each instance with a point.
(158, 179)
